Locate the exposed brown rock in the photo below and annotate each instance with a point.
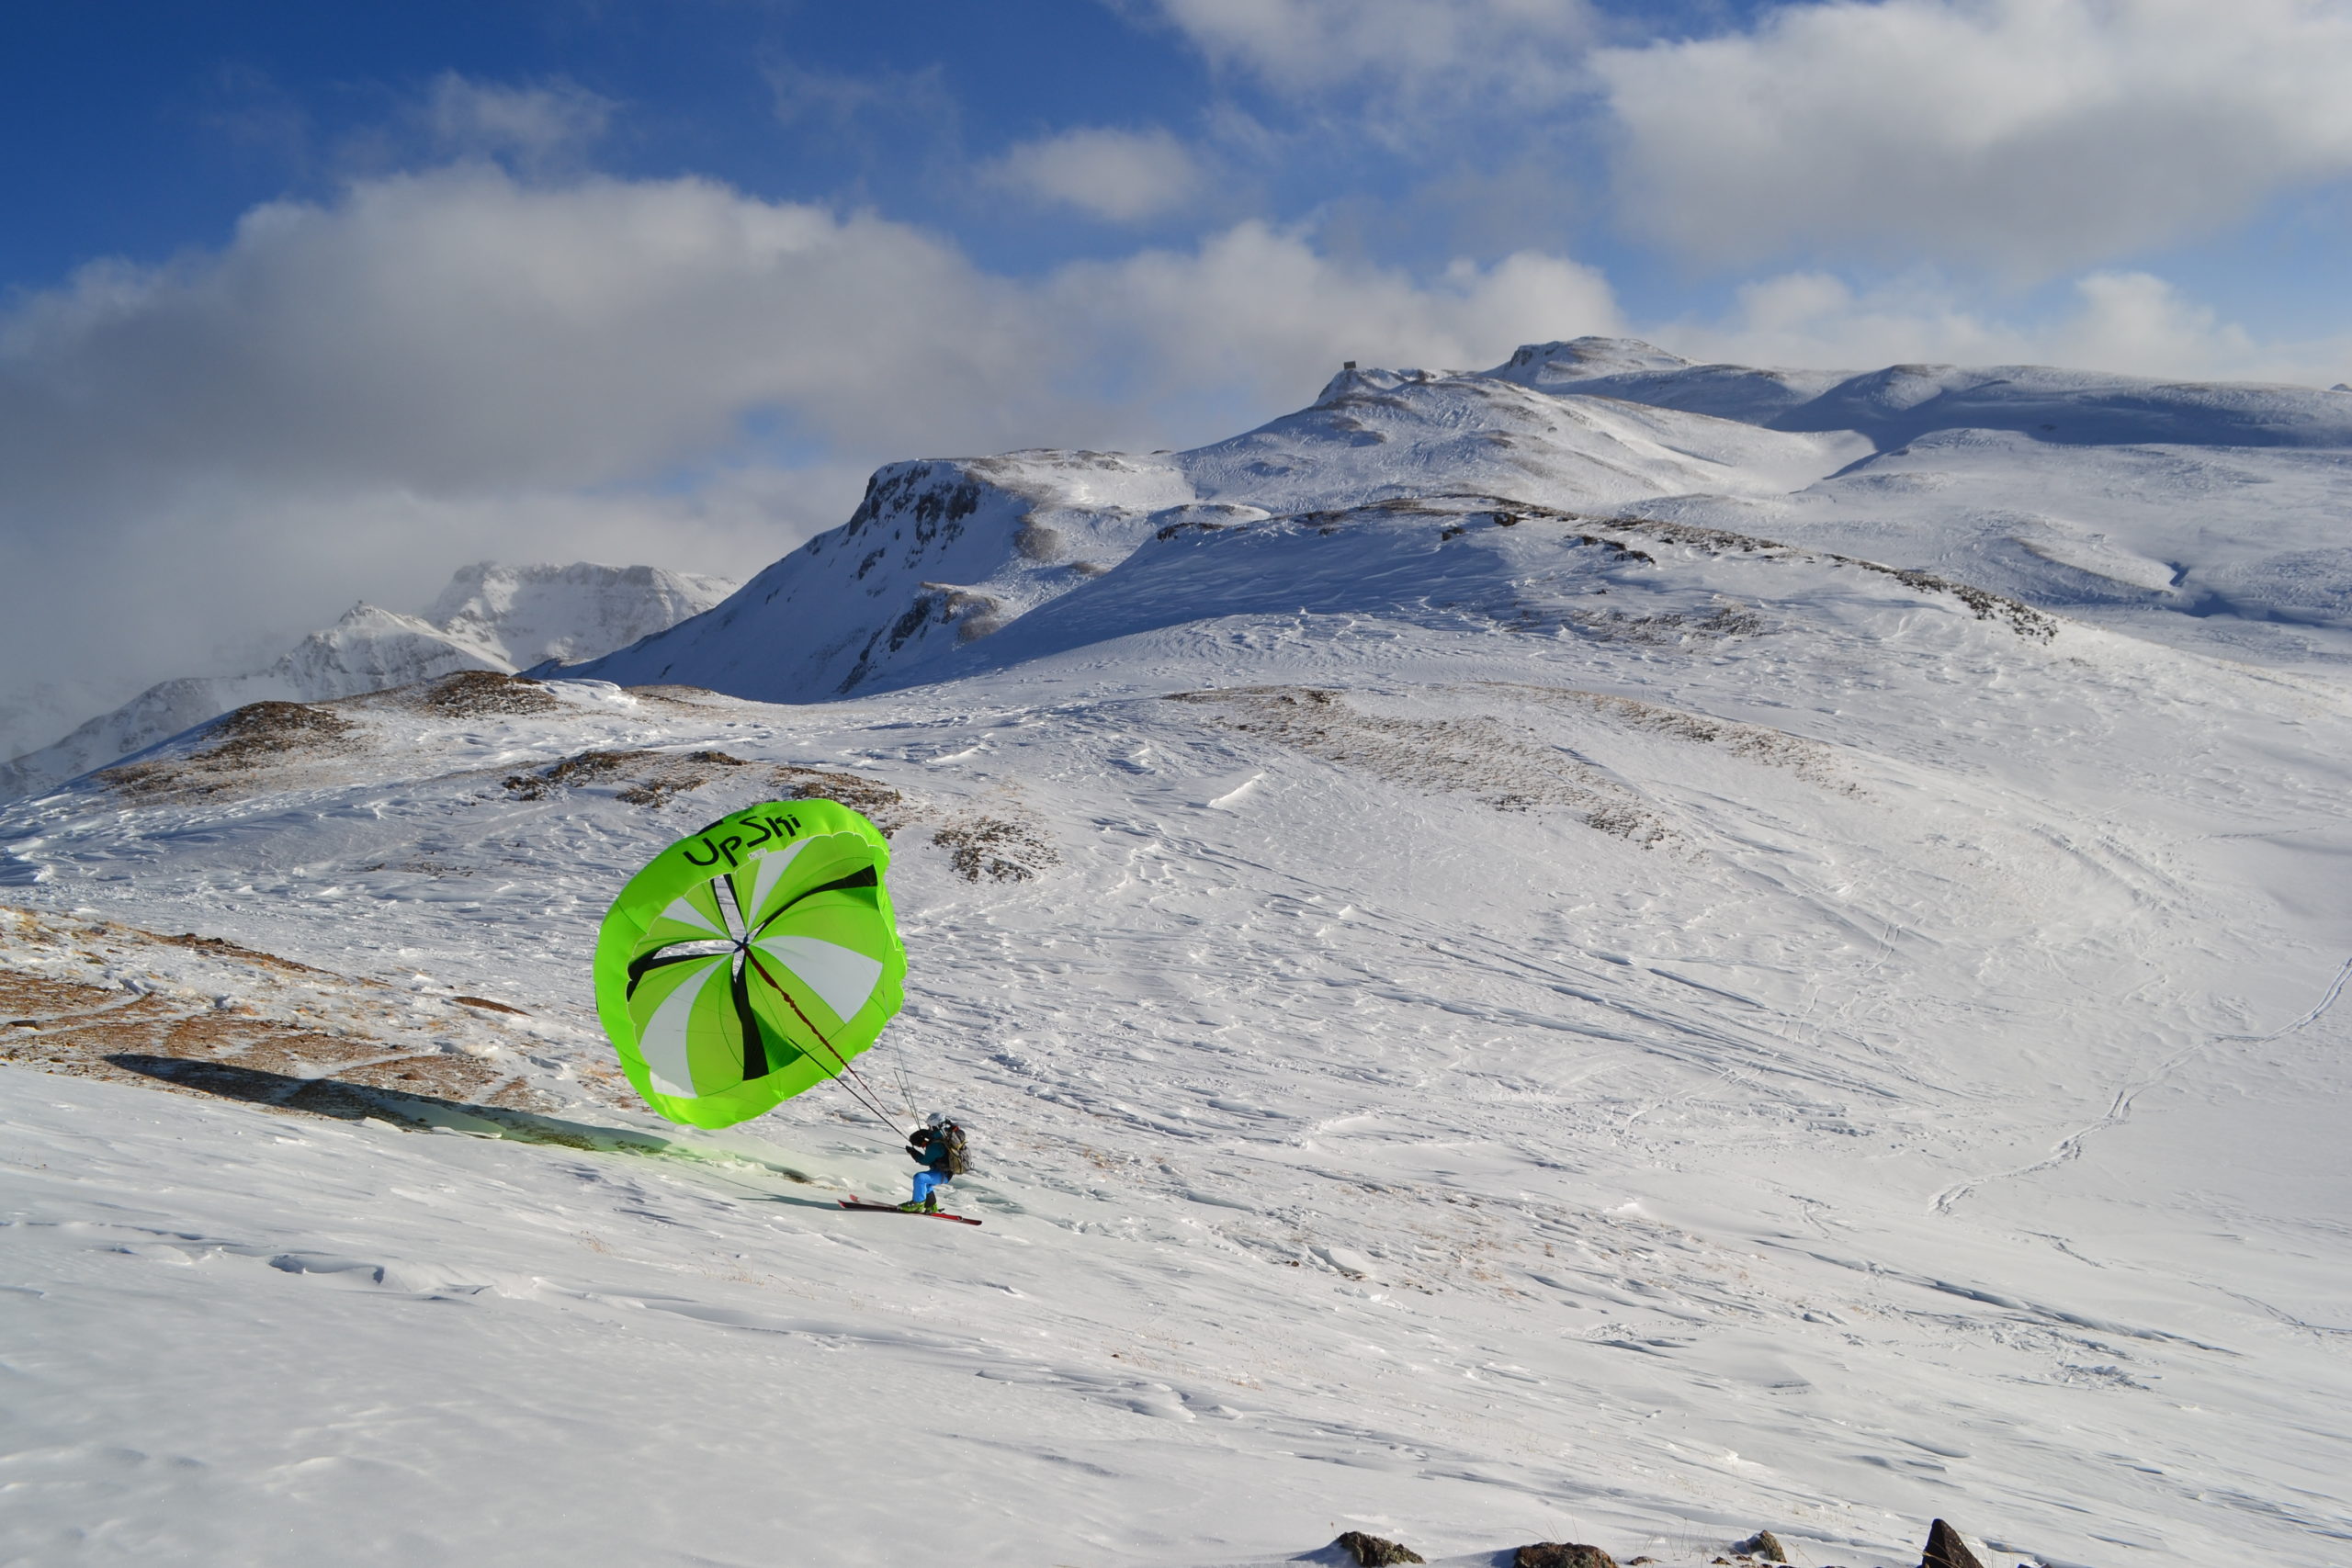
(1945, 1550)
(650, 778)
(1561, 1554)
(1371, 1551)
(339, 1055)
(989, 846)
(486, 1005)
(256, 736)
(471, 694)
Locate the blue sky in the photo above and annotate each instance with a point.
(139, 131)
(306, 303)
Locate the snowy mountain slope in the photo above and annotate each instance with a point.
(34, 708)
(2238, 551)
(2206, 516)
(941, 555)
(1902, 402)
(1459, 565)
(1375, 434)
(1636, 372)
(492, 616)
(1513, 1027)
(528, 615)
(2036, 484)
(936, 554)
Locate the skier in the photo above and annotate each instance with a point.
(938, 1146)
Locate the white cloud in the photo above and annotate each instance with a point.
(1257, 317)
(532, 125)
(2129, 322)
(1450, 45)
(2032, 135)
(352, 397)
(1122, 175)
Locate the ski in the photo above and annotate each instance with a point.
(860, 1205)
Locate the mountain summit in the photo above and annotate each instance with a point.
(2060, 487)
(492, 616)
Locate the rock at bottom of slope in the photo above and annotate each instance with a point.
(1945, 1550)
(1561, 1554)
(1763, 1544)
(1371, 1551)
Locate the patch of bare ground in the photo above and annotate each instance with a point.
(1668, 629)
(76, 999)
(1473, 755)
(639, 777)
(486, 1005)
(994, 848)
(234, 747)
(1810, 759)
(204, 1017)
(222, 947)
(678, 697)
(649, 778)
(479, 693)
(1985, 605)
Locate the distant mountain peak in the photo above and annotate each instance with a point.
(1577, 358)
(492, 616)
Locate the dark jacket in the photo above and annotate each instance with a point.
(928, 1148)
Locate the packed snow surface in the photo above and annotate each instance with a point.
(1492, 1007)
(492, 616)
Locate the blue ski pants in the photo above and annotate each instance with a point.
(927, 1180)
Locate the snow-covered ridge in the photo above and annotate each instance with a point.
(2206, 515)
(492, 616)
(943, 554)
(940, 554)
(1902, 402)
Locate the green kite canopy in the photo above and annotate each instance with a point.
(750, 960)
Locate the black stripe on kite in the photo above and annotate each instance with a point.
(662, 960)
(756, 1048)
(863, 877)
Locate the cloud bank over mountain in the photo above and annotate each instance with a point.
(459, 361)
(493, 328)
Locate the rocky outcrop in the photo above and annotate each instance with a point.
(1945, 1550)
(1371, 1551)
(1561, 1554)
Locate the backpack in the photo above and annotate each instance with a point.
(951, 1138)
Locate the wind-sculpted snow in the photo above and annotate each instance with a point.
(2207, 515)
(2239, 551)
(1483, 1020)
(1488, 566)
(1373, 434)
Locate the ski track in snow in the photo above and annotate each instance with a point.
(2120, 1112)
